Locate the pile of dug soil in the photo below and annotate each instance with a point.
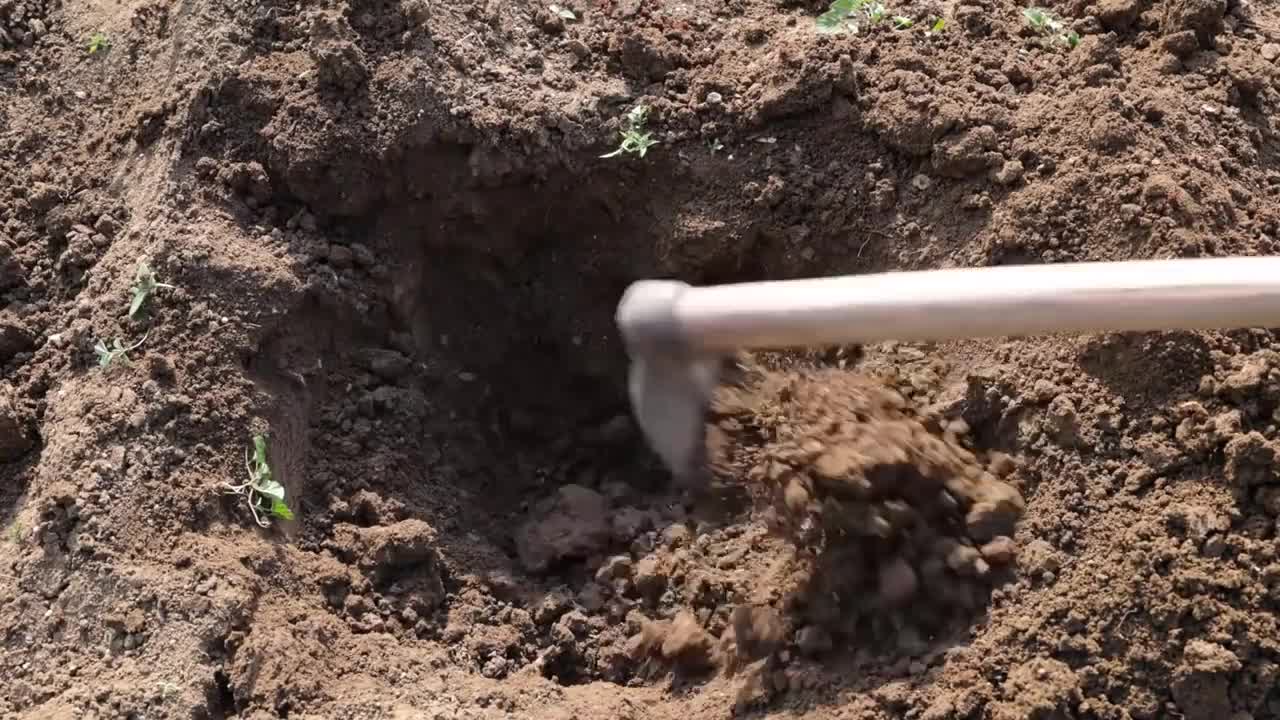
(904, 528)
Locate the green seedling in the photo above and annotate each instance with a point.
(99, 42)
(902, 22)
(109, 355)
(264, 494)
(562, 12)
(714, 145)
(144, 285)
(852, 15)
(14, 533)
(1050, 28)
(938, 25)
(635, 139)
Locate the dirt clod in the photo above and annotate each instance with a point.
(573, 524)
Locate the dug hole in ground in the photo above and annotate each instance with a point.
(385, 240)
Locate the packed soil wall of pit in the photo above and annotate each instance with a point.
(389, 242)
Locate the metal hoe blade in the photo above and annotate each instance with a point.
(669, 396)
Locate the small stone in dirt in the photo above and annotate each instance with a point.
(921, 182)
(1270, 51)
(813, 640)
(1000, 551)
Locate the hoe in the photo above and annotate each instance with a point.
(678, 335)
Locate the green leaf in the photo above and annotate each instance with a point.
(845, 6)
(260, 449)
(831, 22)
(104, 353)
(280, 510)
(939, 25)
(902, 22)
(139, 297)
(1073, 39)
(271, 489)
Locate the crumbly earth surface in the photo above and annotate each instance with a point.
(395, 250)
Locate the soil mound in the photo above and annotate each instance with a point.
(903, 528)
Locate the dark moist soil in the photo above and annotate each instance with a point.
(395, 251)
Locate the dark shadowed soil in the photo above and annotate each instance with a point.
(395, 251)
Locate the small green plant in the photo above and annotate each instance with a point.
(14, 533)
(635, 139)
(264, 494)
(853, 15)
(109, 355)
(1050, 28)
(144, 285)
(902, 22)
(714, 145)
(99, 42)
(938, 25)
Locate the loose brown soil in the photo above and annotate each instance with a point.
(395, 250)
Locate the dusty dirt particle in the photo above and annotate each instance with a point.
(757, 630)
